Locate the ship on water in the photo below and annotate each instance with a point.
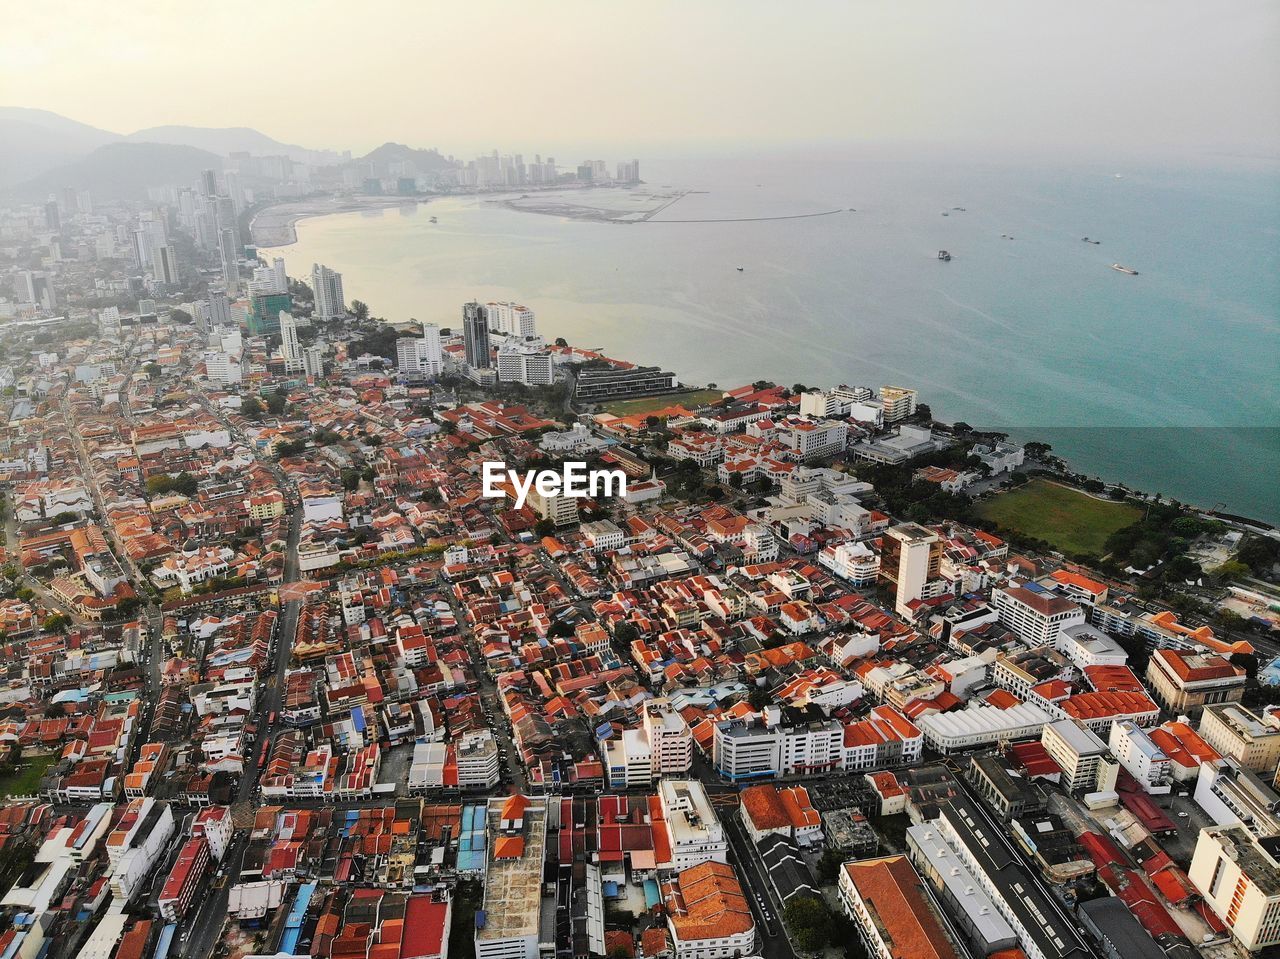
(1123, 269)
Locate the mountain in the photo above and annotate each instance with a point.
(425, 161)
(225, 141)
(123, 170)
(33, 141)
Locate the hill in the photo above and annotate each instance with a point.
(123, 170)
(34, 141)
(225, 141)
(424, 161)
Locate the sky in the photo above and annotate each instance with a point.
(567, 75)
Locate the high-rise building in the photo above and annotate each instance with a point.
(208, 183)
(327, 286)
(899, 403)
(230, 259)
(1239, 877)
(511, 319)
(910, 560)
(282, 278)
(475, 335)
(265, 317)
(420, 358)
(290, 348)
(34, 287)
(219, 309)
(52, 219)
(313, 360)
(629, 171)
(164, 265)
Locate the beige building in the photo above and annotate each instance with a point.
(1239, 877)
(1242, 735)
(1077, 751)
(1184, 682)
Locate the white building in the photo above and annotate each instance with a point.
(1036, 615)
(981, 726)
(857, 563)
(512, 319)
(327, 286)
(661, 746)
(420, 358)
(693, 829)
(911, 560)
(1141, 757)
(1077, 751)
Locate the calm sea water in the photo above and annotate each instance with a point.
(1167, 380)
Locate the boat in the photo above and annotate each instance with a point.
(739, 269)
(1094, 242)
(434, 220)
(944, 256)
(1123, 269)
(959, 209)
(945, 213)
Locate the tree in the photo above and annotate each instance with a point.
(57, 623)
(251, 408)
(1182, 569)
(1037, 451)
(276, 403)
(179, 316)
(153, 371)
(561, 342)
(809, 921)
(360, 310)
(798, 388)
(626, 633)
(759, 698)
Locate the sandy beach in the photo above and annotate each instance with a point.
(274, 226)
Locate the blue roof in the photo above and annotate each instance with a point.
(651, 897)
(357, 717)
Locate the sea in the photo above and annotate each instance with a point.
(821, 267)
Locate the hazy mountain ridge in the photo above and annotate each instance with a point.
(123, 170)
(39, 147)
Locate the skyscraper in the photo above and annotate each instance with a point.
(290, 348)
(910, 560)
(327, 286)
(475, 335)
(164, 265)
(219, 309)
(230, 259)
(282, 278)
(208, 183)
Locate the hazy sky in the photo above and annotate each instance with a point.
(564, 75)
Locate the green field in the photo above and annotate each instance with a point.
(25, 780)
(1071, 521)
(648, 404)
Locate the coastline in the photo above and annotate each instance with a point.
(1215, 468)
(274, 225)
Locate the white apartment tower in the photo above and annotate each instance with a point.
(327, 285)
(511, 319)
(911, 559)
(290, 348)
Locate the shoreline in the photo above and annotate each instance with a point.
(275, 226)
(1202, 500)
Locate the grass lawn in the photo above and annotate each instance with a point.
(25, 780)
(1072, 521)
(648, 404)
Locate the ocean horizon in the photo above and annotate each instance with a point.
(822, 268)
